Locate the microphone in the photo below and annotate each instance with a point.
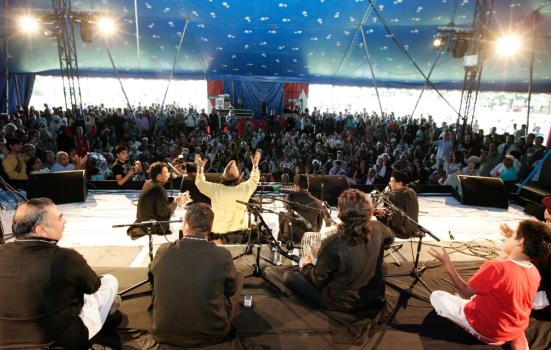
(174, 169)
(301, 218)
(248, 205)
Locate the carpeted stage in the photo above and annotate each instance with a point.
(279, 321)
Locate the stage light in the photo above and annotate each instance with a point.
(106, 25)
(437, 42)
(28, 24)
(507, 45)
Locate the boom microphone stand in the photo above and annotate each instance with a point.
(148, 225)
(416, 271)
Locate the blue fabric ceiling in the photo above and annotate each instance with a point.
(288, 40)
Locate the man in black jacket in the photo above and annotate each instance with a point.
(301, 202)
(49, 296)
(196, 287)
(404, 198)
(154, 203)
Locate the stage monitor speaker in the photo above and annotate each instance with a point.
(189, 185)
(60, 187)
(333, 186)
(484, 191)
(263, 108)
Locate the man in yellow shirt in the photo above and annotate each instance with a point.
(230, 220)
(15, 164)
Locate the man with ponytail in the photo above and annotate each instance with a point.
(348, 281)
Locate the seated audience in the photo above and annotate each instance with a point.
(196, 288)
(15, 163)
(50, 297)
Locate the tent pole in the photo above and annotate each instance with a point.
(371, 69)
(117, 74)
(428, 78)
(174, 63)
(6, 67)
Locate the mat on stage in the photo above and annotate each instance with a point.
(278, 321)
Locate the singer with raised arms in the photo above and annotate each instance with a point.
(230, 219)
(154, 203)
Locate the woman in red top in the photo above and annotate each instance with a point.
(494, 305)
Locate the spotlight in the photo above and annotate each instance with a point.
(437, 42)
(106, 25)
(507, 45)
(28, 24)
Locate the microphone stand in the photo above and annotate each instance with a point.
(148, 225)
(416, 271)
(263, 228)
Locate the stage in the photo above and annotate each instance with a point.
(277, 320)
(89, 226)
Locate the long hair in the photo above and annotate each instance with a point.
(355, 213)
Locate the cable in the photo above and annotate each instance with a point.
(405, 52)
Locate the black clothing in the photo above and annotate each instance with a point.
(348, 282)
(300, 202)
(154, 204)
(42, 287)
(235, 237)
(120, 168)
(193, 282)
(405, 199)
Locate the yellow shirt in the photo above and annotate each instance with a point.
(10, 163)
(229, 215)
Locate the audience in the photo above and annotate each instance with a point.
(347, 144)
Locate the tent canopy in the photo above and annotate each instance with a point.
(315, 41)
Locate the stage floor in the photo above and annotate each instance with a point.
(89, 226)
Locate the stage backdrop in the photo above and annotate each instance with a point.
(253, 93)
(20, 90)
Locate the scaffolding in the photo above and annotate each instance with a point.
(63, 21)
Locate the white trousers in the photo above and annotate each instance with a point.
(451, 307)
(96, 306)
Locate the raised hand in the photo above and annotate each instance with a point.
(200, 162)
(506, 231)
(442, 256)
(256, 159)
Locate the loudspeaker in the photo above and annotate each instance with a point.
(484, 191)
(60, 187)
(263, 108)
(333, 186)
(86, 31)
(189, 185)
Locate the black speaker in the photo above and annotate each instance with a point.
(333, 186)
(86, 31)
(189, 185)
(61, 187)
(263, 108)
(484, 191)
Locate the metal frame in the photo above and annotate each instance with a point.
(67, 52)
(471, 81)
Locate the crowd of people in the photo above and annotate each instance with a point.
(363, 146)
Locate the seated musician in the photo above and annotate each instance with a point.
(307, 206)
(348, 281)
(196, 288)
(230, 220)
(404, 198)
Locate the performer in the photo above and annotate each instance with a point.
(307, 206)
(154, 203)
(404, 198)
(230, 220)
(194, 307)
(494, 305)
(50, 297)
(348, 281)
